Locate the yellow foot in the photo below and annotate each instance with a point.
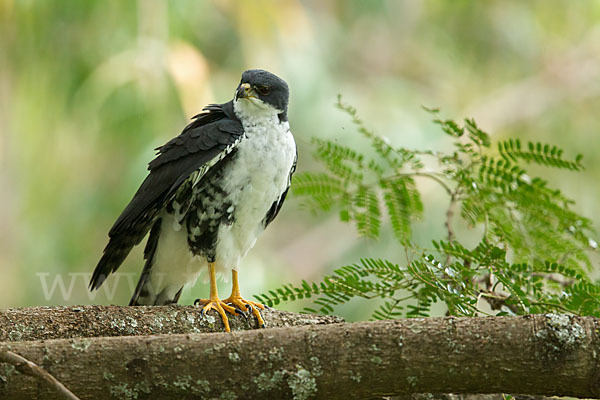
(219, 306)
(242, 304)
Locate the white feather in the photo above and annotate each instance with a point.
(256, 178)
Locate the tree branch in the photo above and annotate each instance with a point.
(42, 323)
(26, 367)
(538, 355)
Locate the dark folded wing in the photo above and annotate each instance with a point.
(277, 204)
(211, 136)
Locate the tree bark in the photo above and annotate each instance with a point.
(537, 355)
(41, 323)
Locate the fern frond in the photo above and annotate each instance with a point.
(342, 161)
(533, 255)
(539, 153)
(583, 298)
(366, 213)
(450, 127)
(318, 190)
(501, 173)
(310, 184)
(476, 135)
(403, 204)
(395, 158)
(391, 309)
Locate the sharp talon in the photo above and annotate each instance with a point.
(221, 307)
(251, 308)
(242, 313)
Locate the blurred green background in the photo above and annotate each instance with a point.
(89, 88)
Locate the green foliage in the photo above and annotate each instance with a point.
(539, 153)
(533, 255)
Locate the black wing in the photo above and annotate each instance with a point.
(212, 134)
(277, 204)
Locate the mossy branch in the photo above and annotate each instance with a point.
(43, 323)
(539, 355)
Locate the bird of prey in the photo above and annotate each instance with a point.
(210, 193)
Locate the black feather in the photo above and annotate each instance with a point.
(276, 206)
(149, 252)
(202, 140)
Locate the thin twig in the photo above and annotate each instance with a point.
(27, 367)
(431, 175)
(449, 216)
(448, 223)
(496, 301)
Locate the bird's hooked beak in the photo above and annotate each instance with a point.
(244, 91)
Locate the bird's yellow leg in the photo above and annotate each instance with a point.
(214, 303)
(235, 298)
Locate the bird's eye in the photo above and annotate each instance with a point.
(263, 90)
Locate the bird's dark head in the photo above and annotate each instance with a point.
(264, 90)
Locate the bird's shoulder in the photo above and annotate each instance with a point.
(216, 128)
(209, 136)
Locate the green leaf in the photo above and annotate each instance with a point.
(533, 255)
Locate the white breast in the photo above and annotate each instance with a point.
(257, 177)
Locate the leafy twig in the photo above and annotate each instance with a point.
(529, 228)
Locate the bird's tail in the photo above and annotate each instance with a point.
(114, 254)
(145, 293)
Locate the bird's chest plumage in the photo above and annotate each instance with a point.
(229, 204)
(259, 173)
